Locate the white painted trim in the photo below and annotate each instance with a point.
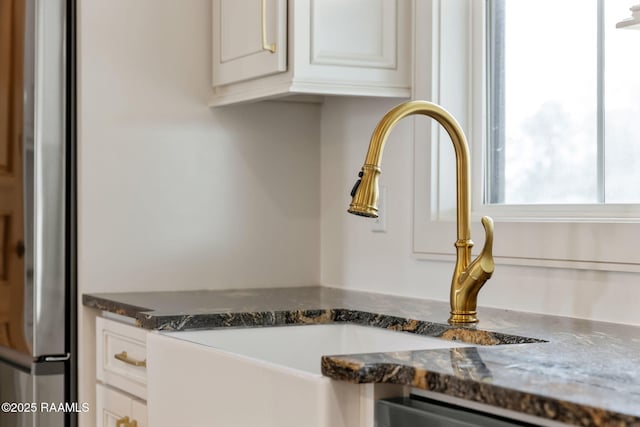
(541, 262)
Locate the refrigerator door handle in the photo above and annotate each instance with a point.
(46, 247)
(57, 358)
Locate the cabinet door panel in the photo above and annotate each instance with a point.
(361, 33)
(139, 413)
(111, 406)
(238, 51)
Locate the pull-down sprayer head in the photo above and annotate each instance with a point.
(364, 194)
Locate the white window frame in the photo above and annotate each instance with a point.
(447, 52)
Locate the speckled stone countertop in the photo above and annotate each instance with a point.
(569, 370)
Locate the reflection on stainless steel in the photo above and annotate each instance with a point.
(49, 190)
(467, 364)
(17, 386)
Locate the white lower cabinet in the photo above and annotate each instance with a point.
(117, 409)
(121, 374)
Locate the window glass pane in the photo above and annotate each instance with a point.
(622, 106)
(548, 102)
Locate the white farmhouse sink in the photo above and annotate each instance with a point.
(266, 376)
(301, 347)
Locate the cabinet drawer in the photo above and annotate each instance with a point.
(121, 354)
(113, 407)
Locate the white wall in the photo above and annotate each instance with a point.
(173, 194)
(353, 257)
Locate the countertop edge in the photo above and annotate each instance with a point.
(344, 368)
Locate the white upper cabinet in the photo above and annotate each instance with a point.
(274, 48)
(250, 39)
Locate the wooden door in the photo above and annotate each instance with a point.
(249, 39)
(12, 17)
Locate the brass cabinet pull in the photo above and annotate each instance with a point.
(125, 422)
(124, 358)
(266, 46)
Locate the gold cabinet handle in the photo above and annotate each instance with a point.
(125, 422)
(266, 46)
(123, 357)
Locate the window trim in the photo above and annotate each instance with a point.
(597, 237)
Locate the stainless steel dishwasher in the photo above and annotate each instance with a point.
(415, 411)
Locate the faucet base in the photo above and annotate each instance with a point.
(463, 317)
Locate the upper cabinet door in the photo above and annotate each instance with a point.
(359, 33)
(249, 39)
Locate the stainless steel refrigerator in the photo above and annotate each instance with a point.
(37, 214)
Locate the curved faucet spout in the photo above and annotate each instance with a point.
(468, 277)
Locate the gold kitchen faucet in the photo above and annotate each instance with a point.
(468, 276)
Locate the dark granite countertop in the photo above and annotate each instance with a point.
(569, 370)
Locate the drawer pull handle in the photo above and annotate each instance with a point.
(125, 422)
(266, 46)
(124, 358)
